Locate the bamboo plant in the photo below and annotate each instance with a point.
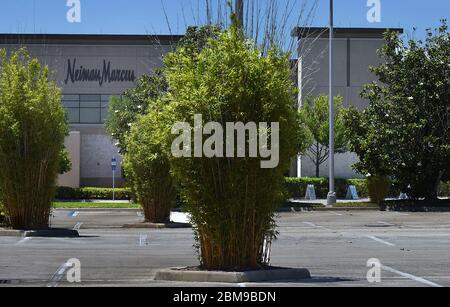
(232, 201)
(33, 125)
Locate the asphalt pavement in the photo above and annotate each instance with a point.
(412, 249)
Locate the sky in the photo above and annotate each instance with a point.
(153, 16)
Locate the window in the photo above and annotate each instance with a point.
(86, 109)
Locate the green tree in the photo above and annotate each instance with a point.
(124, 110)
(65, 165)
(148, 167)
(315, 116)
(232, 200)
(405, 131)
(33, 125)
(368, 140)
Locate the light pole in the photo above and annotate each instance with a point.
(331, 199)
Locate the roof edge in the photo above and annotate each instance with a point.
(302, 32)
(131, 39)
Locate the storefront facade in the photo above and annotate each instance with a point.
(90, 69)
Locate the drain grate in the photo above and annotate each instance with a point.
(5, 282)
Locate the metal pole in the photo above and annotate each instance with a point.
(114, 183)
(331, 200)
(240, 11)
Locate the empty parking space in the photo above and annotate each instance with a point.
(335, 246)
(95, 218)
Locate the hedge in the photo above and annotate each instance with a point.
(65, 193)
(296, 187)
(360, 184)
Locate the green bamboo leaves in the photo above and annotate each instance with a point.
(32, 129)
(232, 200)
(148, 169)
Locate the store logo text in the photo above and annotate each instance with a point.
(104, 75)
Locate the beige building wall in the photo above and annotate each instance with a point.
(73, 147)
(355, 51)
(91, 147)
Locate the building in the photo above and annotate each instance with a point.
(355, 50)
(90, 69)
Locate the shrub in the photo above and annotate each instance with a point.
(232, 200)
(378, 188)
(444, 189)
(66, 193)
(342, 186)
(33, 125)
(148, 169)
(296, 187)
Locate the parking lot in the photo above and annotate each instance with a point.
(335, 246)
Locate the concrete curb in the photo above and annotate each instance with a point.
(49, 233)
(308, 209)
(11, 233)
(181, 275)
(282, 210)
(422, 209)
(348, 209)
(157, 226)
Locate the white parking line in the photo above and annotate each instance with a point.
(143, 240)
(310, 224)
(77, 226)
(23, 241)
(74, 214)
(316, 226)
(380, 241)
(335, 213)
(401, 213)
(412, 277)
(58, 275)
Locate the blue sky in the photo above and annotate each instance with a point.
(147, 16)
